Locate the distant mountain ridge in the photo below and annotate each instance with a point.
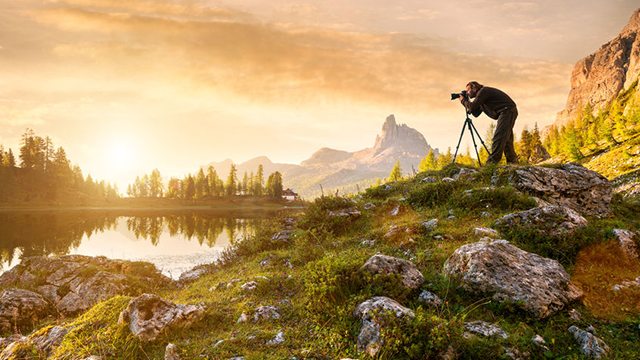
(338, 169)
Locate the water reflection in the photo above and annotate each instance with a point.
(174, 242)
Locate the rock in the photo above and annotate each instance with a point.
(395, 211)
(485, 232)
(627, 242)
(554, 221)
(237, 358)
(448, 179)
(350, 212)
(575, 315)
(627, 284)
(498, 269)
(485, 329)
(466, 174)
(4, 342)
(46, 341)
(430, 225)
(265, 262)
(148, 316)
(368, 243)
(382, 264)
(370, 313)
(195, 273)
(218, 343)
(429, 180)
(539, 341)
(572, 186)
(438, 237)
(282, 236)
(590, 345)
(243, 318)
(277, 340)
(74, 283)
(249, 286)
(485, 214)
(369, 206)
(171, 352)
(429, 298)
(21, 309)
(266, 313)
(598, 78)
(20, 349)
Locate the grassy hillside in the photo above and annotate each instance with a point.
(315, 281)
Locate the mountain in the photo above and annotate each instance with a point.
(598, 78)
(343, 170)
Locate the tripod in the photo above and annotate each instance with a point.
(469, 125)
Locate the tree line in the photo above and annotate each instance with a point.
(207, 185)
(44, 172)
(591, 131)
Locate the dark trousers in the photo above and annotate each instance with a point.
(503, 138)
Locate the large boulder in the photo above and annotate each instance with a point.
(550, 221)
(370, 313)
(21, 309)
(590, 345)
(571, 185)
(74, 283)
(148, 316)
(412, 278)
(498, 269)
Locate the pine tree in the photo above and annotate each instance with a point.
(201, 184)
(174, 188)
(259, 181)
(245, 183)
(212, 182)
(396, 173)
(232, 180)
(155, 184)
(190, 188)
(428, 162)
(274, 185)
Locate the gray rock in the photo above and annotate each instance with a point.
(368, 243)
(552, 221)
(350, 212)
(249, 286)
(627, 242)
(429, 180)
(498, 269)
(369, 206)
(575, 315)
(429, 298)
(395, 211)
(266, 313)
(148, 316)
(430, 225)
(448, 179)
(485, 232)
(539, 342)
(485, 329)
(572, 185)
(590, 345)
(243, 318)
(282, 236)
(370, 312)
(195, 273)
(382, 264)
(466, 174)
(277, 340)
(21, 309)
(171, 352)
(46, 341)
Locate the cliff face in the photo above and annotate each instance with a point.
(598, 78)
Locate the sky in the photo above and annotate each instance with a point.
(129, 86)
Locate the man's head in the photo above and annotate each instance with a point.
(472, 88)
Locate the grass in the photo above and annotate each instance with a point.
(317, 296)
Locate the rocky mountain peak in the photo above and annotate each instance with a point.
(401, 138)
(598, 78)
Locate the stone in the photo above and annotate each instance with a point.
(277, 340)
(429, 180)
(485, 329)
(590, 345)
(575, 315)
(571, 185)
(45, 342)
(485, 232)
(266, 313)
(627, 242)
(412, 278)
(539, 342)
(348, 213)
(74, 283)
(368, 243)
(506, 273)
(430, 225)
(370, 312)
(369, 206)
(195, 273)
(466, 174)
(429, 298)
(249, 286)
(21, 309)
(554, 221)
(243, 318)
(148, 316)
(282, 236)
(395, 211)
(171, 352)
(448, 179)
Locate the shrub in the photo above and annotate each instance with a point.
(317, 215)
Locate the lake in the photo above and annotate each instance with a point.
(174, 242)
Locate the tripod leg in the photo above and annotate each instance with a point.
(475, 145)
(459, 141)
(479, 137)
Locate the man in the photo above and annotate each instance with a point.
(498, 106)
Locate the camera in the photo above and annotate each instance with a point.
(462, 93)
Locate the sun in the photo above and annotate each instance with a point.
(120, 155)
